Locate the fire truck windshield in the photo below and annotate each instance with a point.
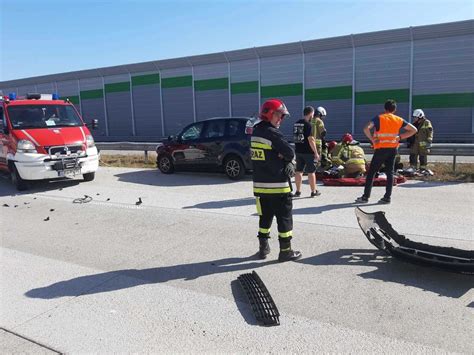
(43, 116)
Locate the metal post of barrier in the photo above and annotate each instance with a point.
(454, 162)
(146, 156)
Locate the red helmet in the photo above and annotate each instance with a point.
(347, 138)
(331, 145)
(271, 106)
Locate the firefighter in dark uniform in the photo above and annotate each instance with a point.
(273, 166)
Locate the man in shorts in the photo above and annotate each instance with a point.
(306, 152)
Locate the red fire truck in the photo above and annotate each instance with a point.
(43, 137)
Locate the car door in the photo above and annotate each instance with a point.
(190, 151)
(213, 141)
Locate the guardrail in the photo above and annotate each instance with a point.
(442, 149)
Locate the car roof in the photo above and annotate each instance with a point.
(226, 118)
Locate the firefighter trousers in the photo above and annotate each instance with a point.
(281, 207)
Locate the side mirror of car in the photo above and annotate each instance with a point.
(171, 138)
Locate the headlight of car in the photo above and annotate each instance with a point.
(90, 141)
(25, 146)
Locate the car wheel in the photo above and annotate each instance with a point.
(165, 164)
(234, 167)
(88, 176)
(19, 183)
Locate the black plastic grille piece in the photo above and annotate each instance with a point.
(64, 150)
(262, 303)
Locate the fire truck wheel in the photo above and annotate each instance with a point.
(88, 176)
(19, 183)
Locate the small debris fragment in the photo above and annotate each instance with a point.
(5, 205)
(46, 219)
(139, 202)
(51, 210)
(26, 203)
(84, 199)
(97, 194)
(108, 199)
(15, 206)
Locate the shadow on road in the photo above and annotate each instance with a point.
(108, 281)
(424, 184)
(224, 203)
(389, 269)
(324, 208)
(7, 189)
(153, 177)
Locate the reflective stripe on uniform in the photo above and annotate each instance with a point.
(423, 144)
(259, 207)
(318, 141)
(271, 184)
(387, 140)
(261, 140)
(285, 234)
(271, 191)
(264, 230)
(385, 135)
(260, 145)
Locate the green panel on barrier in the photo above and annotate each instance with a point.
(117, 87)
(148, 79)
(211, 84)
(177, 82)
(379, 97)
(72, 99)
(92, 94)
(282, 90)
(246, 87)
(332, 93)
(444, 100)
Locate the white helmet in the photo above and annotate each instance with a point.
(320, 111)
(418, 113)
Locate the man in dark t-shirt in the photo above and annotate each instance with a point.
(306, 152)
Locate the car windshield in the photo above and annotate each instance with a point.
(43, 116)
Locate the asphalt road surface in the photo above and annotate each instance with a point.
(113, 276)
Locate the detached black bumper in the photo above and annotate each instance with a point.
(381, 234)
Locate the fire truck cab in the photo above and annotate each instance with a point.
(43, 137)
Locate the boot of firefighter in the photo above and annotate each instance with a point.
(264, 248)
(286, 253)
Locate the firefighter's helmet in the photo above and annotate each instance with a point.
(320, 112)
(418, 113)
(331, 145)
(271, 106)
(347, 138)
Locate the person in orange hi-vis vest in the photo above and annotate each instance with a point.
(385, 140)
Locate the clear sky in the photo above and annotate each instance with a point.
(52, 36)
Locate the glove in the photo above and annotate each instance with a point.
(290, 169)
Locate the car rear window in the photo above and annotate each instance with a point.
(234, 127)
(215, 129)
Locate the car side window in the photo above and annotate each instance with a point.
(2, 119)
(215, 129)
(192, 132)
(234, 128)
